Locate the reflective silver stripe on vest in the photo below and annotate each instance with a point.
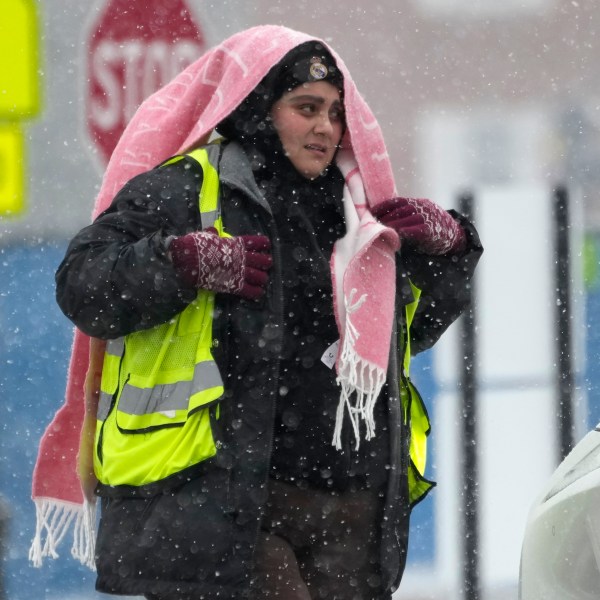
(208, 218)
(172, 396)
(113, 348)
(104, 406)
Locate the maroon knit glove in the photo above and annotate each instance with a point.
(420, 223)
(235, 265)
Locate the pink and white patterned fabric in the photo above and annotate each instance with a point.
(177, 118)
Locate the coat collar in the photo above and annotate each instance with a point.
(236, 172)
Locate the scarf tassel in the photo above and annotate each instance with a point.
(53, 520)
(359, 377)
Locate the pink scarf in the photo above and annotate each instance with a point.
(180, 116)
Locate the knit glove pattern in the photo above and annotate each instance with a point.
(232, 265)
(422, 224)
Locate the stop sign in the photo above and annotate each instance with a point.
(135, 47)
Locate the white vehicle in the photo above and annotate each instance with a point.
(560, 558)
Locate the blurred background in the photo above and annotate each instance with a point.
(496, 102)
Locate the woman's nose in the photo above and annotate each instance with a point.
(324, 125)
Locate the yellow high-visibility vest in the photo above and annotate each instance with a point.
(414, 409)
(162, 381)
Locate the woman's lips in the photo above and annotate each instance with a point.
(316, 148)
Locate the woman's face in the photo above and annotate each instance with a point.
(309, 120)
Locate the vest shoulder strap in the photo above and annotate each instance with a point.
(411, 308)
(209, 198)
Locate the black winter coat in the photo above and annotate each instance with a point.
(197, 536)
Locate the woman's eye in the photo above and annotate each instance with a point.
(307, 108)
(337, 115)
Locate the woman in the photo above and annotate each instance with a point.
(236, 458)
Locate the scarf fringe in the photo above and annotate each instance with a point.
(54, 518)
(359, 377)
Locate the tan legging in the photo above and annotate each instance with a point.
(315, 545)
(318, 544)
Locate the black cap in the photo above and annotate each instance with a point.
(305, 63)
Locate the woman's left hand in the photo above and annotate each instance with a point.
(422, 224)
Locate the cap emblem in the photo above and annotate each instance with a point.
(317, 69)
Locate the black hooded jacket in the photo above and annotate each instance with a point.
(197, 535)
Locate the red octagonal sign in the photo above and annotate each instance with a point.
(135, 47)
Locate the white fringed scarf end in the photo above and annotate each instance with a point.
(359, 379)
(53, 521)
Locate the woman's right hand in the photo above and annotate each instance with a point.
(234, 265)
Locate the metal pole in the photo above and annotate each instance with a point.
(562, 276)
(470, 492)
